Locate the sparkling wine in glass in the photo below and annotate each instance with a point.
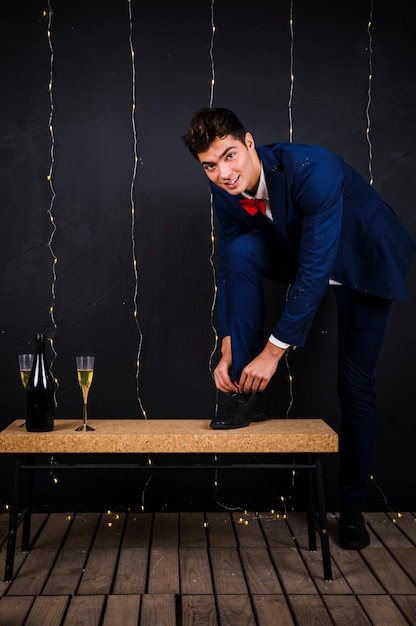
(85, 371)
(25, 367)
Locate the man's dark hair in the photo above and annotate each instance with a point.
(208, 124)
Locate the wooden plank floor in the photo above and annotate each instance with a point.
(206, 569)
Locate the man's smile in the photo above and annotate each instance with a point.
(233, 182)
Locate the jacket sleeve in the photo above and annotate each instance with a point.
(317, 198)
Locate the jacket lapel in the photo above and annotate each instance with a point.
(277, 188)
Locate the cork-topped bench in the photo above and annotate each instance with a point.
(307, 439)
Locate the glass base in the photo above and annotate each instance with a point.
(85, 427)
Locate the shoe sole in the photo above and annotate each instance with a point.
(355, 545)
(262, 417)
(259, 418)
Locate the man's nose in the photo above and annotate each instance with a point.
(225, 170)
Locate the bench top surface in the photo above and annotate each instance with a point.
(171, 436)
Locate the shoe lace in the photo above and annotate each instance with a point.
(239, 402)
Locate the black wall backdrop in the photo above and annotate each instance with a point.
(82, 252)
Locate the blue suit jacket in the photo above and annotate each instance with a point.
(331, 223)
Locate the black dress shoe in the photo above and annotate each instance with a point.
(353, 534)
(245, 408)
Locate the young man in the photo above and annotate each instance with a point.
(300, 214)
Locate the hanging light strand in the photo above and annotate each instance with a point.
(136, 162)
(369, 94)
(212, 218)
(214, 297)
(52, 192)
(211, 55)
(290, 102)
(292, 76)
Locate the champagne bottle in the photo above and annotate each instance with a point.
(40, 392)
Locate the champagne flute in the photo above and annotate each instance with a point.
(85, 371)
(25, 367)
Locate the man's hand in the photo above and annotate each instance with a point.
(222, 372)
(257, 374)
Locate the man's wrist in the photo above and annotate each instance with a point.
(226, 345)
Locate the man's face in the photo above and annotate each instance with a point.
(232, 165)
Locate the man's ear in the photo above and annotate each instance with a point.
(249, 141)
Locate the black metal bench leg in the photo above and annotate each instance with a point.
(27, 482)
(311, 513)
(323, 527)
(13, 522)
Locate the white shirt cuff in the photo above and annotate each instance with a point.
(278, 343)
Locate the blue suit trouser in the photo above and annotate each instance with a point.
(362, 322)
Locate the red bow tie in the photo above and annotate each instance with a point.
(253, 206)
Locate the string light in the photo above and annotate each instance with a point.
(214, 297)
(290, 114)
(370, 79)
(291, 87)
(246, 518)
(136, 161)
(212, 219)
(370, 50)
(216, 484)
(53, 194)
(52, 462)
(373, 480)
(282, 499)
(142, 506)
(211, 54)
(290, 379)
(292, 77)
(114, 515)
